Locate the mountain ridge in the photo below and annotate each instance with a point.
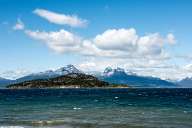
(113, 76)
(119, 76)
(4, 82)
(185, 82)
(50, 73)
(72, 80)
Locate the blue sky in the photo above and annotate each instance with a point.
(117, 30)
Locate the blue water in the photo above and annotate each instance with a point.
(96, 108)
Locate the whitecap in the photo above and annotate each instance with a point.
(185, 112)
(76, 108)
(11, 127)
(116, 97)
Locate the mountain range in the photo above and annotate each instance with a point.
(185, 83)
(113, 76)
(50, 73)
(4, 81)
(42, 75)
(119, 76)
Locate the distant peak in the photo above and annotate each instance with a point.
(70, 65)
(1, 78)
(188, 78)
(118, 69)
(67, 69)
(108, 69)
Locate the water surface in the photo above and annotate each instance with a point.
(96, 108)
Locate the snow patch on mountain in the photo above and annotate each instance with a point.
(109, 71)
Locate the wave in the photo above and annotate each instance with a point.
(12, 127)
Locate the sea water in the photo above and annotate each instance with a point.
(96, 108)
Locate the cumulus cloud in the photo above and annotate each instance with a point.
(117, 39)
(188, 67)
(150, 44)
(60, 19)
(87, 66)
(115, 43)
(59, 41)
(126, 42)
(19, 25)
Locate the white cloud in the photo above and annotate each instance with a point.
(188, 67)
(59, 41)
(19, 25)
(117, 39)
(113, 43)
(60, 19)
(98, 64)
(150, 44)
(14, 74)
(127, 43)
(87, 66)
(171, 38)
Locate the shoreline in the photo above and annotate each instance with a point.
(91, 88)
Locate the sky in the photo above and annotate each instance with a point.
(150, 38)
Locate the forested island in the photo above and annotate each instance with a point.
(73, 80)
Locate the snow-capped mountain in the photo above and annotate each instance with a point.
(110, 71)
(119, 76)
(50, 73)
(67, 70)
(186, 82)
